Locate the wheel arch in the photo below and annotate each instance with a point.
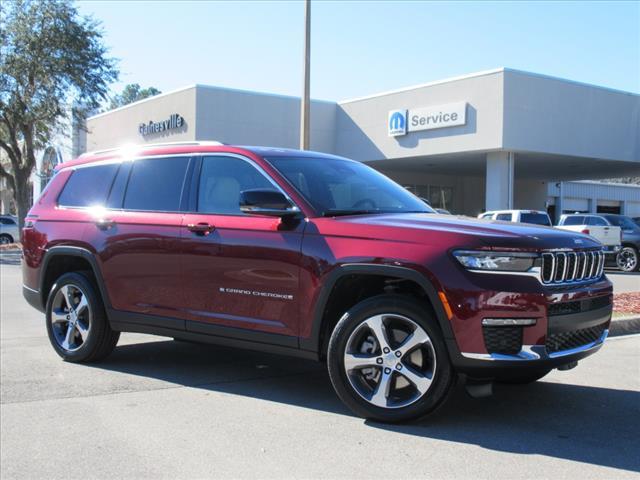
(63, 259)
(317, 341)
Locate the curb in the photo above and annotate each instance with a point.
(625, 326)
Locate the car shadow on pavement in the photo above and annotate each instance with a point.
(571, 422)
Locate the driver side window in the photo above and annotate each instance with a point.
(221, 181)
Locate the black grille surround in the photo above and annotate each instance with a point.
(557, 342)
(503, 340)
(571, 266)
(578, 306)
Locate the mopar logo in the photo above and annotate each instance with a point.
(397, 122)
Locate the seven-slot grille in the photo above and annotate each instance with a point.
(570, 266)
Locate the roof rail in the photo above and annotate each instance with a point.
(155, 145)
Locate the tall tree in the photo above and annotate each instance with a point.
(132, 93)
(53, 64)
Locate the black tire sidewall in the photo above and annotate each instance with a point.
(443, 381)
(8, 237)
(98, 319)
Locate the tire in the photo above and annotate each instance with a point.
(82, 333)
(627, 259)
(524, 378)
(418, 379)
(6, 239)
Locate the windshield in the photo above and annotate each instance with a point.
(623, 222)
(535, 218)
(344, 187)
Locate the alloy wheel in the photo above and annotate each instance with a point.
(627, 259)
(390, 361)
(70, 317)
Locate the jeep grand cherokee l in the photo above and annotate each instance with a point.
(310, 255)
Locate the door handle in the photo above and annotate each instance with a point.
(200, 228)
(105, 223)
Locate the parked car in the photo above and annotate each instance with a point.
(637, 220)
(534, 217)
(9, 232)
(610, 229)
(309, 255)
(628, 259)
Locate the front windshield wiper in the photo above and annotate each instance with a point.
(335, 212)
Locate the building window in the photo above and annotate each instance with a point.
(436, 195)
(50, 159)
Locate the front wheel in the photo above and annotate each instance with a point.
(387, 360)
(627, 259)
(5, 239)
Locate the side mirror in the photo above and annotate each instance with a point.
(266, 202)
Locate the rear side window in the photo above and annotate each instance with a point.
(596, 222)
(535, 218)
(504, 216)
(155, 184)
(88, 186)
(575, 220)
(7, 221)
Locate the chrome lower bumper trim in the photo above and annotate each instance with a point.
(536, 352)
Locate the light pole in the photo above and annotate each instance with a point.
(304, 104)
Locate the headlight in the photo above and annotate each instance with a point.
(496, 261)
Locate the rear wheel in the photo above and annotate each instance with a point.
(627, 259)
(387, 360)
(76, 320)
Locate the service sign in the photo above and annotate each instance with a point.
(427, 118)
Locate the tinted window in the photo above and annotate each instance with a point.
(221, 181)
(535, 218)
(504, 216)
(88, 186)
(596, 222)
(155, 184)
(623, 222)
(7, 221)
(486, 216)
(336, 186)
(574, 220)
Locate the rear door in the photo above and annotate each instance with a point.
(137, 237)
(239, 270)
(600, 229)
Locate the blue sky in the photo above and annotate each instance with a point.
(361, 48)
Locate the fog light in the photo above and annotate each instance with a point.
(508, 322)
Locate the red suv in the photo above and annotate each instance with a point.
(309, 255)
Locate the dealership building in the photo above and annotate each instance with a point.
(499, 139)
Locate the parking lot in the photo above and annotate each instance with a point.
(160, 408)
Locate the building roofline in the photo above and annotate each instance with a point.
(208, 87)
(604, 184)
(422, 85)
(144, 100)
(375, 95)
(482, 74)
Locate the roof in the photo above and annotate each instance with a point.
(176, 148)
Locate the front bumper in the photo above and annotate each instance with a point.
(569, 338)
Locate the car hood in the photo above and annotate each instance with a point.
(490, 233)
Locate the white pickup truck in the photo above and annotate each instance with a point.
(609, 236)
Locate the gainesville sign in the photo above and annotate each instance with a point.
(401, 122)
(173, 122)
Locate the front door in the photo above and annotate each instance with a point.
(238, 270)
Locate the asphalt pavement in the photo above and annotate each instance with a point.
(158, 408)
